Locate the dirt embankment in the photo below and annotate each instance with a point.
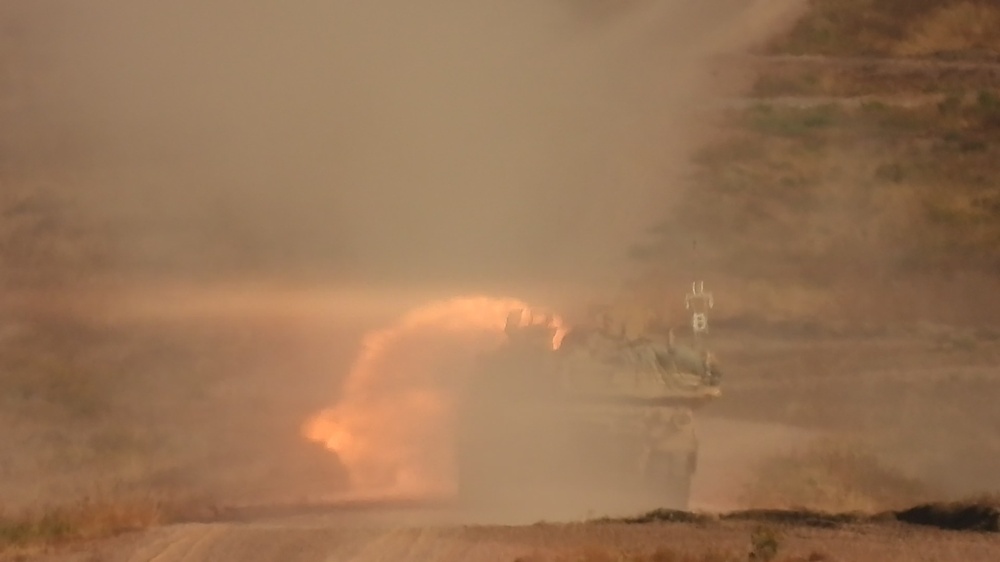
(418, 534)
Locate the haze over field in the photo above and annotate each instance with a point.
(308, 219)
(516, 148)
(447, 142)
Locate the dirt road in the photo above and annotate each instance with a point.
(421, 535)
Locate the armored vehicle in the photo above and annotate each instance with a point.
(599, 423)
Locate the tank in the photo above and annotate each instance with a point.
(600, 423)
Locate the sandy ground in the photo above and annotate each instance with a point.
(420, 535)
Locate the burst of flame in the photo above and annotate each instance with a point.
(392, 425)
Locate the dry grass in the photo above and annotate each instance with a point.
(53, 526)
(833, 476)
(828, 195)
(903, 82)
(45, 240)
(807, 209)
(953, 28)
(79, 521)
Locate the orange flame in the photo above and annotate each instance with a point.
(391, 427)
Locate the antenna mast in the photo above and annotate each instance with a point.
(699, 303)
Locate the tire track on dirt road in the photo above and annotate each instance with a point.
(211, 542)
(177, 544)
(320, 539)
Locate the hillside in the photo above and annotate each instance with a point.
(849, 200)
(859, 180)
(846, 212)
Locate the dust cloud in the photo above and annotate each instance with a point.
(505, 148)
(439, 143)
(394, 424)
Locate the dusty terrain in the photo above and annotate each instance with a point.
(784, 393)
(837, 189)
(362, 537)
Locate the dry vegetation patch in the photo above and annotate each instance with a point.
(832, 476)
(911, 187)
(954, 28)
(54, 525)
(943, 28)
(890, 79)
(829, 203)
(86, 519)
(825, 199)
(980, 514)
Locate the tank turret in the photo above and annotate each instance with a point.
(603, 422)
